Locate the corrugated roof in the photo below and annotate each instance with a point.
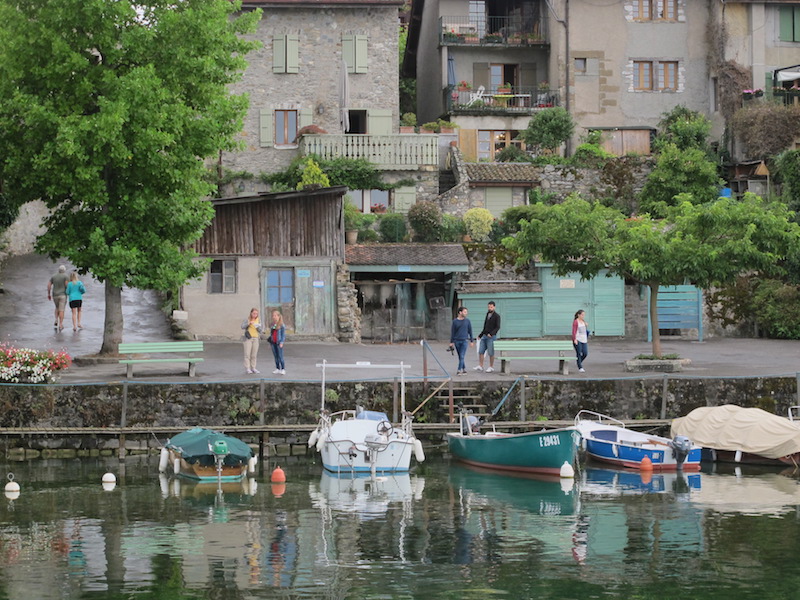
(502, 172)
(405, 254)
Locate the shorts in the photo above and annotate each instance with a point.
(486, 345)
(75, 303)
(60, 301)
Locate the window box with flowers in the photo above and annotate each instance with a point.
(464, 86)
(504, 88)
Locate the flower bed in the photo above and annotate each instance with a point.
(25, 365)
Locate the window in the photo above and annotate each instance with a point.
(668, 75)
(222, 277)
(654, 10)
(354, 51)
(580, 66)
(643, 10)
(669, 10)
(642, 75)
(789, 17)
(500, 74)
(280, 286)
(477, 16)
(369, 201)
(492, 142)
(286, 54)
(285, 127)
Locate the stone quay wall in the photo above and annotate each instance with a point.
(291, 405)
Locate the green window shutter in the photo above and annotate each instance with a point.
(279, 54)
(349, 52)
(379, 121)
(266, 126)
(306, 117)
(796, 24)
(404, 198)
(497, 200)
(786, 16)
(292, 53)
(361, 53)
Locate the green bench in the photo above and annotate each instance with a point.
(185, 348)
(560, 350)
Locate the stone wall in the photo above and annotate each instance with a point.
(349, 314)
(20, 237)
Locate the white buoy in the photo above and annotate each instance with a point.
(109, 478)
(320, 442)
(176, 466)
(164, 483)
(312, 439)
(176, 487)
(251, 464)
(12, 495)
(253, 487)
(12, 487)
(566, 484)
(109, 486)
(163, 461)
(419, 453)
(566, 471)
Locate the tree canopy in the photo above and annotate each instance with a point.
(704, 244)
(109, 111)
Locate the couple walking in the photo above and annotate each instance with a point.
(63, 288)
(252, 333)
(461, 337)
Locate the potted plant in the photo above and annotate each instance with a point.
(493, 38)
(504, 88)
(351, 222)
(464, 86)
(408, 123)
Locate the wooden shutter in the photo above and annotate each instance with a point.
(786, 17)
(796, 23)
(266, 126)
(361, 53)
(497, 200)
(279, 54)
(404, 199)
(306, 117)
(292, 54)
(480, 75)
(527, 75)
(349, 52)
(379, 121)
(468, 144)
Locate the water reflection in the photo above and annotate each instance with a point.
(617, 482)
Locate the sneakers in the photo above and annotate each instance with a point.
(283, 371)
(489, 369)
(256, 371)
(249, 371)
(276, 372)
(478, 368)
(581, 370)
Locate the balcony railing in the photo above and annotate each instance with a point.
(519, 100)
(389, 152)
(492, 31)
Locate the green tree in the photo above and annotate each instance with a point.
(685, 128)
(109, 111)
(548, 129)
(705, 244)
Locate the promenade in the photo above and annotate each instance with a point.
(26, 319)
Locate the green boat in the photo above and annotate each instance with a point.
(207, 455)
(543, 451)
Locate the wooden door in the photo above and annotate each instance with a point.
(279, 295)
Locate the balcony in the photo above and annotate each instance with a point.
(520, 100)
(500, 32)
(389, 152)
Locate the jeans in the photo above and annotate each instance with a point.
(277, 352)
(581, 351)
(461, 349)
(486, 345)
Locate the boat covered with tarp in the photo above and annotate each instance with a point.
(732, 433)
(205, 454)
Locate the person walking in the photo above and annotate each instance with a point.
(461, 336)
(252, 330)
(75, 292)
(57, 291)
(277, 336)
(580, 338)
(487, 336)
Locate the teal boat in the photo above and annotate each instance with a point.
(543, 452)
(207, 455)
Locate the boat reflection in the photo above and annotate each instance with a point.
(755, 493)
(617, 482)
(367, 496)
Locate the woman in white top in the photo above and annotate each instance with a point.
(580, 339)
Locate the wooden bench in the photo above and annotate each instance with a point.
(559, 350)
(186, 348)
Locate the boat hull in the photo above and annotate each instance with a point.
(631, 457)
(345, 448)
(534, 452)
(746, 458)
(208, 473)
(194, 454)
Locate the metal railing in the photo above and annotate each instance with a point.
(383, 151)
(488, 30)
(519, 99)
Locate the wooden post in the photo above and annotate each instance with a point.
(123, 420)
(450, 395)
(424, 367)
(664, 387)
(523, 413)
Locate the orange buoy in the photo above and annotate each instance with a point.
(278, 476)
(646, 464)
(646, 476)
(278, 489)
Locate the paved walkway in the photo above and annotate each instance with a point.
(26, 319)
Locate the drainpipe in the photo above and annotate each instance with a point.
(565, 23)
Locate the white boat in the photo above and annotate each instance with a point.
(608, 440)
(365, 441)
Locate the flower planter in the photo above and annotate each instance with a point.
(351, 236)
(407, 129)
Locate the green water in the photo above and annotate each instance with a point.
(445, 531)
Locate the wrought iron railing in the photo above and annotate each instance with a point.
(519, 99)
(383, 151)
(511, 31)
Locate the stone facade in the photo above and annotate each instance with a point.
(348, 312)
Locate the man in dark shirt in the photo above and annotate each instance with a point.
(460, 336)
(491, 325)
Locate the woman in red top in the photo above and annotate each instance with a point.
(277, 336)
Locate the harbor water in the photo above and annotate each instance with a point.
(442, 531)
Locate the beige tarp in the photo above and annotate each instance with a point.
(734, 428)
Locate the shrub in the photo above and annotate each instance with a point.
(24, 365)
(367, 235)
(392, 227)
(767, 129)
(313, 176)
(512, 216)
(408, 119)
(351, 216)
(548, 129)
(425, 219)
(478, 222)
(453, 229)
(683, 127)
(512, 153)
(772, 302)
